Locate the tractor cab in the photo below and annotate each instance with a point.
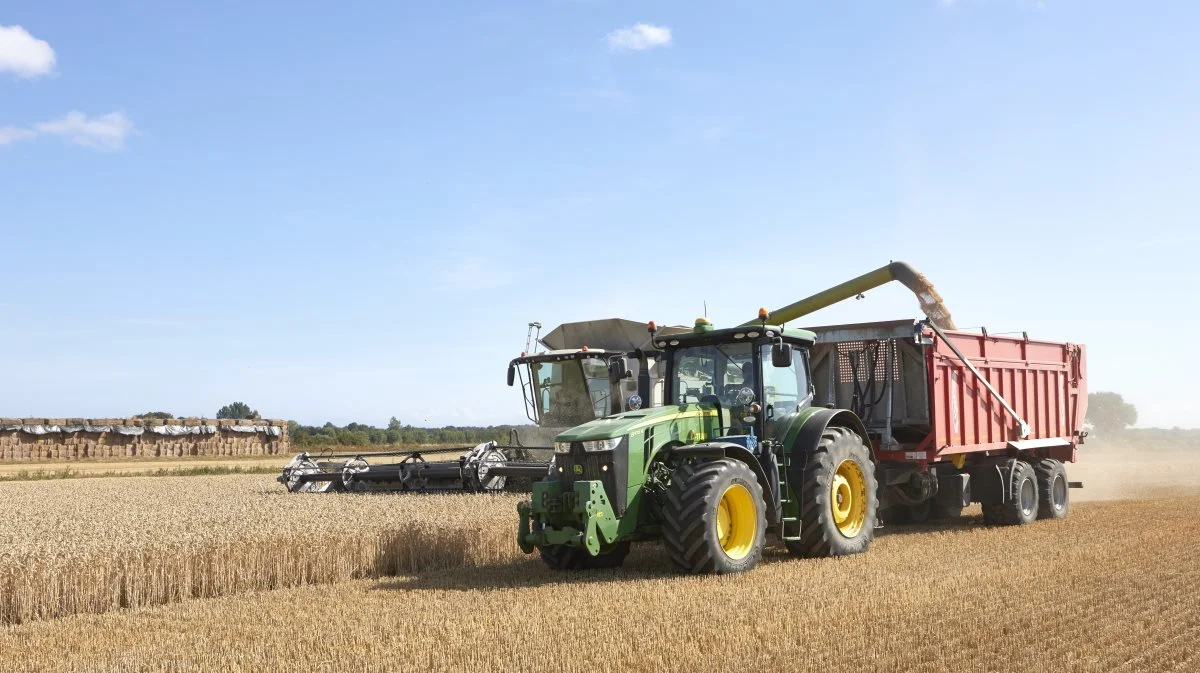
(756, 378)
(736, 442)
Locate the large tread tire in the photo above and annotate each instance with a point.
(819, 534)
(689, 515)
(1016, 509)
(562, 557)
(1054, 499)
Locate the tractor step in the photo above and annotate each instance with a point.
(783, 522)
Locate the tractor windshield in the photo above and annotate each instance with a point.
(720, 370)
(571, 392)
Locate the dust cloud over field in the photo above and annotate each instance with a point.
(1121, 471)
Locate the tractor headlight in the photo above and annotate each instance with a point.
(562, 447)
(602, 444)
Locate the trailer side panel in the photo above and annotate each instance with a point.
(1042, 382)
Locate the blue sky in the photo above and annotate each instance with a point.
(350, 211)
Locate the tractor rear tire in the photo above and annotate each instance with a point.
(838, 496)
(1020, 506)
(562, 557)
(1054, 499)
(714, 517)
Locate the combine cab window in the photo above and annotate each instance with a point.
(600, 390)
(571, 392)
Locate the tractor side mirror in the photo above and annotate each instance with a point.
(617, 370)
(781, 355)
(512, 374)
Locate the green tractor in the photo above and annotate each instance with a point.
(737, 451)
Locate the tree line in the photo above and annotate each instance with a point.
(396, 433)
(361, 434)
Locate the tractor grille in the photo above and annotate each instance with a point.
(580, 465)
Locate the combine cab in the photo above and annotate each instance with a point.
(594, 369)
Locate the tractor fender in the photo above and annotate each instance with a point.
(810, 436)
(738, 453)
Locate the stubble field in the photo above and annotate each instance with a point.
(1114, 587)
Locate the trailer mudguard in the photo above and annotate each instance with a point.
(739, 453)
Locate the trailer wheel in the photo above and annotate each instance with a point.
(1054, 495)
(1020, 504)
(562, 557)
(714, 517)
(838, 498)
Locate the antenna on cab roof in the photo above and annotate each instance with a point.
(531, 337)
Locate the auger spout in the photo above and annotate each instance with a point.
(927, 296)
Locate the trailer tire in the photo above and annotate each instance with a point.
(1054, 499)
(714, 517)
(839, 471)
(1020, 506)
(562, 557)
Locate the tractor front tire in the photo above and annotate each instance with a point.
(562, 557)
(714, 517)
(1054, 499)
(839, 499)
(1020, 504)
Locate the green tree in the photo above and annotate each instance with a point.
(1109, 413)
(165, 415)
(237, 411)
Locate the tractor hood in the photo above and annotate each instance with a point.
(619, 425)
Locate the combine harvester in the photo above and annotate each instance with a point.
(592, 369)
(810, 434)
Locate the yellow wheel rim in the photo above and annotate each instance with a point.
(848, 498)
(737, 521)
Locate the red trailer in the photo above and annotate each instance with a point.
(958, 417)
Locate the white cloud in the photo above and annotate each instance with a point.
(106, 132)
(24, 54)
(639, 37)
(9, 134)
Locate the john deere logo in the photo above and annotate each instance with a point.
(577, 469)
